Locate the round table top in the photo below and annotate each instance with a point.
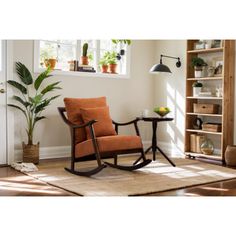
(155, 118)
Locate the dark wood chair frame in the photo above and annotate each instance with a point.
(99, 155)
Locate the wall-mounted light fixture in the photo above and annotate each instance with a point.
(163, 68)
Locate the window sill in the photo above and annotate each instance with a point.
(85, 74)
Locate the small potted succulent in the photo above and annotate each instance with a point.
(112, 62)
(198, 64)
(197, 88)
(84, 57)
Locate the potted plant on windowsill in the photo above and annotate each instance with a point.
(50, 62)
(198, 64)
(84, 57)
(104, 64)
(112, 62)
(32, 101)
(197, 88)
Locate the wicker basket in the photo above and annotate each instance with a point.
(31, 153)
(205, 108)
(212, 127)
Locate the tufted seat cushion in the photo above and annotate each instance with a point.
(108, 143)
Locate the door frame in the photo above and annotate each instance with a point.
(8, 64)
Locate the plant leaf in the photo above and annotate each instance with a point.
(50, 87)
(41, 106)
(17, 107)
(19, 99)
(36, 119)
(41, 78)
(18, 86)
(24, 73)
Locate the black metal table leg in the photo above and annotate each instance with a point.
(154, 139)
(167, 158)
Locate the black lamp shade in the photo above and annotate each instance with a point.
(160, 68)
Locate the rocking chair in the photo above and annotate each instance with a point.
(94, 137)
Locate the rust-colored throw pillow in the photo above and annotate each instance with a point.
(103, 126)
(73, 106)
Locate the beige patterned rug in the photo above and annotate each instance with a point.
(156, 177)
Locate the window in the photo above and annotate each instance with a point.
(65, 51)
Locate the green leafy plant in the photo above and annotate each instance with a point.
(32, 106)
(111, 58)
(90, 57)
(124, 41)
(197, 84)
(198, 62)
(85, 49)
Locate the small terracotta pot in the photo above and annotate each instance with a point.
(84, 60)
(104, 68)
(31, 153)
(112, 68)
(230, 155)
(50, 62)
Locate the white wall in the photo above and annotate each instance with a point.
(126, 97)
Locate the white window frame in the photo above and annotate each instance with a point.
(37, 69)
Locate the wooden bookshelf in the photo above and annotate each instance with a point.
(226, 102)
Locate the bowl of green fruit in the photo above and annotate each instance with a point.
(161, 111)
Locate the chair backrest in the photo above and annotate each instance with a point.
(73, 106)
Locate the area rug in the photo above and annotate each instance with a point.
(156, 177)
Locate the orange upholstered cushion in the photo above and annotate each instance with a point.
(108, 143)
(73, 106)
(103, 126)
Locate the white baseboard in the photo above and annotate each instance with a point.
(64, 151)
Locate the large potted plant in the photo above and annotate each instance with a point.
(198, 64)
(84, 57)
(32, 101)
(112, 62)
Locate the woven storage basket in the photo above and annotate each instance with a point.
(31, 153)
(211, 127)
(205, 108)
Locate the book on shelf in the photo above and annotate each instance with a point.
(196, 141)
(82, 69)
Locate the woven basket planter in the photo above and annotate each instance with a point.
(230, 155)
(31, 153)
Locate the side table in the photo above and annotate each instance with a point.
(154, 147)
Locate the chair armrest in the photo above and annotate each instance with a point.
(127, 123)
(135, 121)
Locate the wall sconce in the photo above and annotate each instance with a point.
(163, 68)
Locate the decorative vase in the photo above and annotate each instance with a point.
(207, 147)
(196, 91)
(210, 71)
(230, 155)
(31, 153)
(112, 68)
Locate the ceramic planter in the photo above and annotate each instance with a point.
(104, 68)
(196, 91)
(113, 68)
(230, 155)
(50, 62)
(84, 60)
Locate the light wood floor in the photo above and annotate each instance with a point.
(14, 183)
